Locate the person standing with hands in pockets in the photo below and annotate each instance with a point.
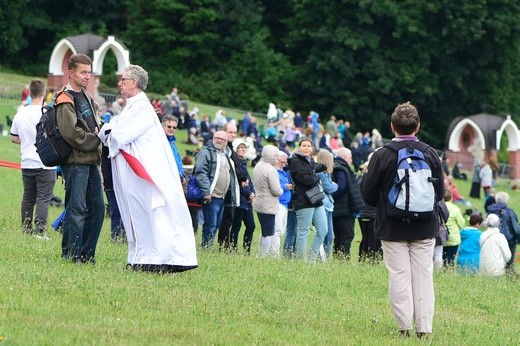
(407, 244)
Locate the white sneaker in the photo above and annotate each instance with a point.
(42, 236)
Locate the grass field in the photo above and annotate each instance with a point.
(231, 299)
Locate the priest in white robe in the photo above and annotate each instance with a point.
(147, 184)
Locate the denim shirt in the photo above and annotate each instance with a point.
(329, 187)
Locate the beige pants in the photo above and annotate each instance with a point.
(410, 269)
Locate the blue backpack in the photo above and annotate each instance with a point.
(412, 195)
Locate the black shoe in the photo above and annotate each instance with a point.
(404, 333)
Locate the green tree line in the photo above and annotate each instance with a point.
(356, 58)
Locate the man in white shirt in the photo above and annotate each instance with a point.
(38, 180)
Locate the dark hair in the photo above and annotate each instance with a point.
(447, 195)
(405, 118)
(186, 160)
(475, 219)
(37, 88)
(304, 139)
(76, 59)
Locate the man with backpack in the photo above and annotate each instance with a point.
(76, 119)
(404, 186)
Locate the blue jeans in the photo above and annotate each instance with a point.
(291, 229)
(85, 212)
(305, 217)
(212, 212)
(327, 243)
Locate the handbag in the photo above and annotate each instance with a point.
(314, 194)
(194, 192)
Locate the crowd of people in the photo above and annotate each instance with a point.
(308, 180)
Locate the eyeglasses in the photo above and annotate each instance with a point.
(171, 127)
(124, 78)
(220, 139)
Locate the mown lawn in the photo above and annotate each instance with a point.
(231, 299)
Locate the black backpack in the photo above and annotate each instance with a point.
(50, 145)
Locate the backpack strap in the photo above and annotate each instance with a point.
(63, 97)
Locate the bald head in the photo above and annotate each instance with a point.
(220, 139)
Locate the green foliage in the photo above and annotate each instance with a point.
(352, 58)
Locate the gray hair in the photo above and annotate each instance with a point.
(168, 117)
(502, 197)
(138, 74)
(343, 152)
(281, 154)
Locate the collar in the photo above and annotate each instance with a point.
(405, 138)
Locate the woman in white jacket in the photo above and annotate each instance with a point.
(494, 248)
(268, 189)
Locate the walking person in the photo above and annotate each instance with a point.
(38, 179)
(407, 246)
(76, 120)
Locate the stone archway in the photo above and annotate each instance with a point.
(95, 47)
(510, 128)
(478, 136)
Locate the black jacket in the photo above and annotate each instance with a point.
(303, 173)
(347, 199)
(377, 182)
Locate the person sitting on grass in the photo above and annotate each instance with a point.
(494, 249)
(469, 250)
(455, 223)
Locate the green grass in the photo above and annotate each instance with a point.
(229, 300)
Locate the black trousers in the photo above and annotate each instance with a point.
(370, 247)
(343, 235)
(249, 221)
(224, 231)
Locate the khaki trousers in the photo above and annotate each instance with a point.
(411, 294)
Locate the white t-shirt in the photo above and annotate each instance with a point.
(24, 126)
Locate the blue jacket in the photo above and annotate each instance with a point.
(329, 187)
(285, 178)
(506, 215)
(176, 155)
(468, 259)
